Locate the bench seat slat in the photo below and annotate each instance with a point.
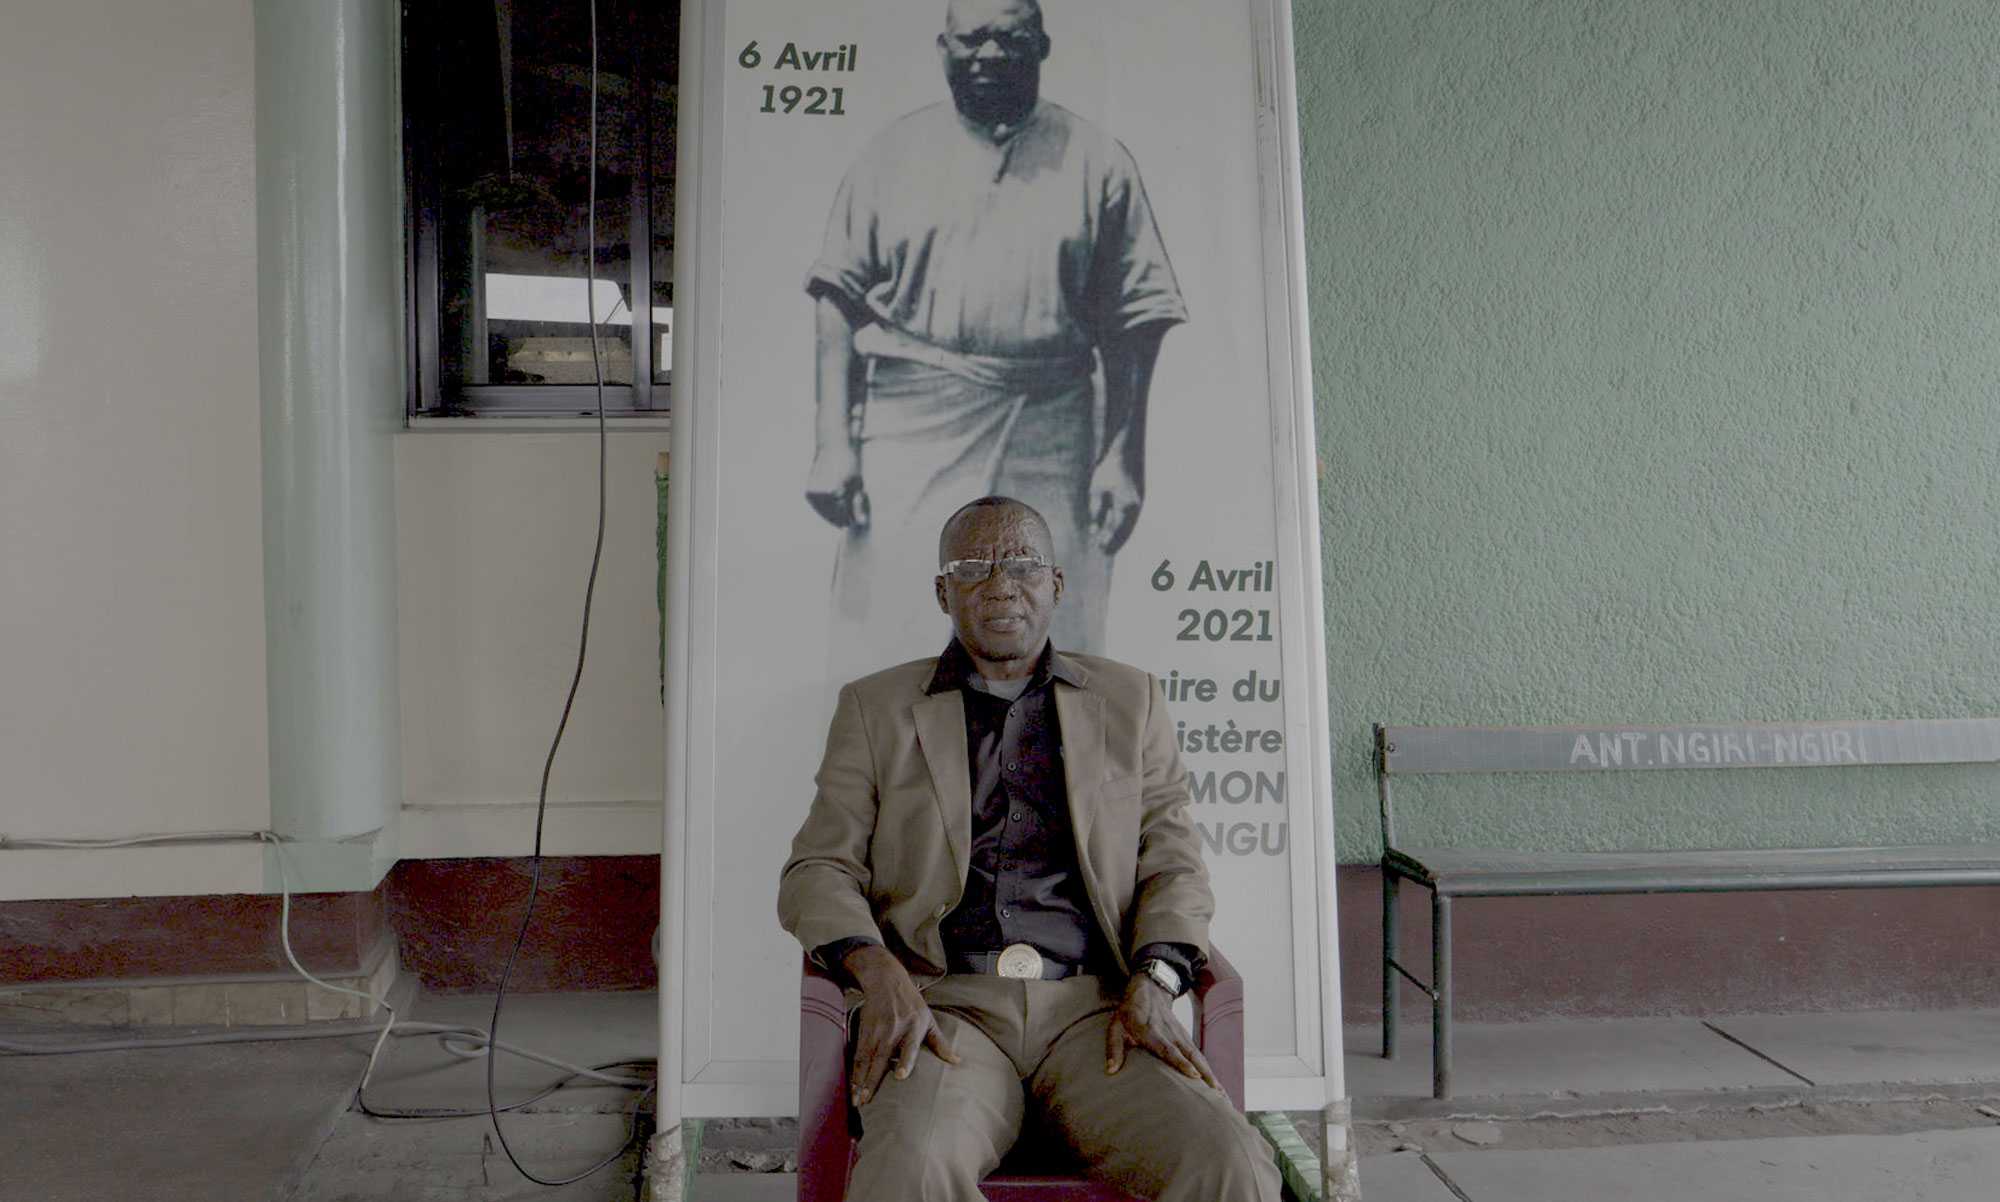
(1487, 872)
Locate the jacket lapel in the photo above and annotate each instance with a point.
(1081, 714)
(941, 734)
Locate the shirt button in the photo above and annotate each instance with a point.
(1015, 817)
(1013, 767)
(1006, 914)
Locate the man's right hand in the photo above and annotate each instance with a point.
(896, 1023)
(834, 488)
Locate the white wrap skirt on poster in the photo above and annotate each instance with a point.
(940, 428)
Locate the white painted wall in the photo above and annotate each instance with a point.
(132, 686)
(133, 690)
(494, 537)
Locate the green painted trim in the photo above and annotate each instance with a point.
(1296, 1162)
(659, 1184)
(659, 481)
(691, 1131)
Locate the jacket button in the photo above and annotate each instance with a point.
(944, 910)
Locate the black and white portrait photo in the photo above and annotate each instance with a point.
(989, 304)
(950, 249)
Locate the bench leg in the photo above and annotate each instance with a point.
(1392, 887)
(1441, 996)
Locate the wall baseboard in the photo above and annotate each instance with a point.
(1524, 959)
(144, 960)
(220, 1000)
(217, 959)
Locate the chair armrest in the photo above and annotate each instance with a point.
(1218, 1021)
(826, 1142)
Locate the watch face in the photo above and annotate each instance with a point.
(1164, 975)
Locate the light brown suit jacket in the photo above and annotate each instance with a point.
(884, 850)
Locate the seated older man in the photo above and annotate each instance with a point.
(999, 857)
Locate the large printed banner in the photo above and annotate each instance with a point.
(924, 262)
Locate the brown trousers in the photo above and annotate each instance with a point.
(1032, 1058)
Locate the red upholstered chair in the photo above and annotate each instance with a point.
(827, 1126)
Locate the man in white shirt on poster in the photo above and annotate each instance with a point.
(990, 298)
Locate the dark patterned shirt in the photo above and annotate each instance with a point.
(1024, 883)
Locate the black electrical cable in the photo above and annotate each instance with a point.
(428, 1112)
(582, 651)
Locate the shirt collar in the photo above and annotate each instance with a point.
(1000, 135)
(955, 668)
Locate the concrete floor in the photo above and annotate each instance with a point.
(186, 1125)
(1936, 1166)
(1580, 1058)
(1699, 1108)
(1741, 1054)
(1896, 1097)
(1944, 1166)
(257, 1121)
(1668, 1110)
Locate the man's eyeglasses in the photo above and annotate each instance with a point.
(1025, 44)
(1021, 568)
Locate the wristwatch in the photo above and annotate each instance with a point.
(1165, 975)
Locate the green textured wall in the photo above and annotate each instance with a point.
(1657, 353)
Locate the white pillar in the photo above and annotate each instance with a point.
(330, 327)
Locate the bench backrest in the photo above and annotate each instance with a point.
(1425, 750)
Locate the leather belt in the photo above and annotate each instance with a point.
(1018, 961)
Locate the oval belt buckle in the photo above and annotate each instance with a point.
(1021, 962)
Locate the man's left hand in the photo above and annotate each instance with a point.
(1146, 1019)
(1116, 493)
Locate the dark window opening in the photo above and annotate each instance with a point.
(496, 114)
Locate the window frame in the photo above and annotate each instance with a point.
(427, 394)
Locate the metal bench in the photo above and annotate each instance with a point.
(1457, 872)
